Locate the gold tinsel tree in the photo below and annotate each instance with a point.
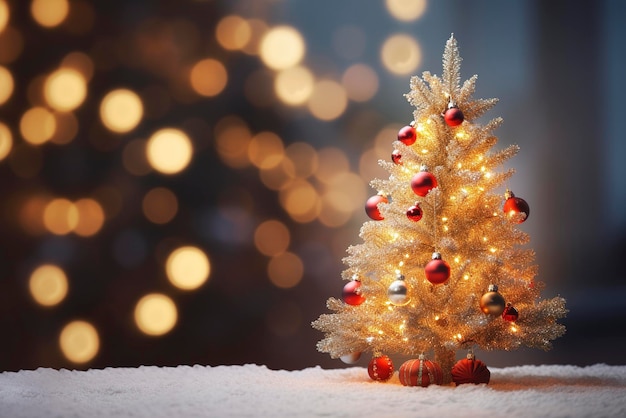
(440, 209)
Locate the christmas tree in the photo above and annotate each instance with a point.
(443, 266)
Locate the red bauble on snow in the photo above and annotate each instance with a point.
(414, 213)
(407, 135)
(371, 207)
(453, 116)
(437, 270)
(510, 313)
(423, 182)
(515, 208)
(380, 368)
(420, 372)
(396, 157)
(470, 370)
(351, 293)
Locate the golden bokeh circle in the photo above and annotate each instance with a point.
(79, 341)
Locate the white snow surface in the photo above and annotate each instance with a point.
(256, 391)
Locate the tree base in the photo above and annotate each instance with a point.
(446, 358)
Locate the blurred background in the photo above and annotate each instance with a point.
(180, 179)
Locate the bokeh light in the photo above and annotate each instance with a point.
(271, 238)
(328, 100)
(258, 28)
(90, 217)
(360, 82)
(208, 77)
(66, 128)
(65, 89)
(406, 10)
(6, 141)
(79, 61)
(49, 13)
(60, 216)
(121, 110)
(169, 150)
(233, 32)
(294, 85)
(79, 342)
(332, 161)
(156, 314)
(303, 157)
(232, 137)
(301, 201)
(37, 125)
(187, 267)
(282, 47)
(266, 150)
(4, 14)
(48, 285)
(280, 176)
(6, 85)
(401, 54)
(285, 270)
(11, 44)
(160, 205)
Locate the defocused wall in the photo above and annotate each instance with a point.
(190, 193)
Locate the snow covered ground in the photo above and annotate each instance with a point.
(256, 391)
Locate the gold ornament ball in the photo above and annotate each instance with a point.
(492, 303)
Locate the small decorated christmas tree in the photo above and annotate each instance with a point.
(442, 266)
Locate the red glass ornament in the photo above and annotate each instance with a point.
(396, 157)
(380, 368)
(470, 370)
(514, 206)
(453, 116)
(351, 293)
(420, 372)
(492, 302)
(414, 213)
(437, 270)
(371, 207)
(423, 182)
(407, 135)
(510, 313)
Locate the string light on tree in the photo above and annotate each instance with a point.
(433, 309)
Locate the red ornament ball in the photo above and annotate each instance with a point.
(453, 116)
(510, 313)
(351, 293)
(516, 209)
(420, 372)
(380, 368)
(414, 213)
(396, 157)
(423, 182)
(470, 370)
(371, 207)
(407, 135)
(437, 270)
